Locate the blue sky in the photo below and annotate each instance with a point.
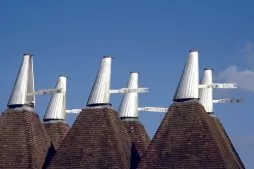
(151, 37)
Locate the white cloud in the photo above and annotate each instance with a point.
(243, 78)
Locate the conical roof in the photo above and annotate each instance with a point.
(100, 94)
(128, 112)
(139, 138)
(56, 109)
(187, 138)
(24, 142)
(56, 131)
(97, 139)
(206, 94)
(54, 118)
(129, 104)
(229, 148)
(24, 85)
(206, 99)
(187, 88)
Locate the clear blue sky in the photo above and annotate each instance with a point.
(151, 37)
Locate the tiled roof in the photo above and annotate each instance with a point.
(227, 143)
(56, 131)
(187, 138)
(24, 142)
(97, 139)
(139, 138)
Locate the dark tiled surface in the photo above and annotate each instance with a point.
(57, 132)
(24, 142)
(97, 139)
(188, 138)
(139, 138)
(227, 143)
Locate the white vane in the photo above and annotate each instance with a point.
(228, 100)
(206, 91)
(74, 111)
(45, 92)
(224, 85)
(153, 109)
(120, 91)
(140, 109)
(129, 104)
(129, 90)
(23, 91)
(218, 85)
(100, 94)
